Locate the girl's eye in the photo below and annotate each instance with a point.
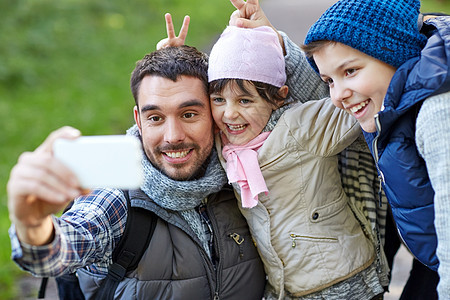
(218, 100)
(245, 101)
(350, 71)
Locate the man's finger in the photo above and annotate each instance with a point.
(44, 168)
(65, 132)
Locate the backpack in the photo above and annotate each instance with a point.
(126, 256)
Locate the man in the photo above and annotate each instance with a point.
(192, 253)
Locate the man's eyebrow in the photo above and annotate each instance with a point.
(149, 107)
(193, 102)
(185, 104)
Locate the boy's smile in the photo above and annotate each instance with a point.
(358, 82)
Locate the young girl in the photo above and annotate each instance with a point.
(282, 161)
(396, 82)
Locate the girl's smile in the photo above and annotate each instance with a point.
(240, 116)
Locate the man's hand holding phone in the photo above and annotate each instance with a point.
(44, 181)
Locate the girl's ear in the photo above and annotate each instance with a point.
(283, 91)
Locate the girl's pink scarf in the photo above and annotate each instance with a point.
(243, 168)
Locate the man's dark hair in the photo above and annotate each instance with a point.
(171, 63)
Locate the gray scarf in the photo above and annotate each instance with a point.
(183, 196)
(276, 114)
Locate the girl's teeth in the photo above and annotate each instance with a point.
(359, 106)
(180, 154)
(236, 127)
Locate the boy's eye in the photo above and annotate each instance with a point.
(245, 101)
(328, 81)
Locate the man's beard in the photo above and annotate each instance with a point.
(198, 169)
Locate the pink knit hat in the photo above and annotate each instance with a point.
(249, 54)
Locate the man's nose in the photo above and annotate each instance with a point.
(174, 132)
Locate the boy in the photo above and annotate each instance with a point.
(381, 69)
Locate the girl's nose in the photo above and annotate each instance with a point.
(231, 111)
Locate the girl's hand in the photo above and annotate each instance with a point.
(172, 40)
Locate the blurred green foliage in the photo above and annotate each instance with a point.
(68, 62)
(442, 6)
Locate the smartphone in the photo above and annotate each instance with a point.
(110, 161)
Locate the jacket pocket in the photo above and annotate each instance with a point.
(327, 211)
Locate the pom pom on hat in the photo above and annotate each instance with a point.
(249, 54)
(384, 29)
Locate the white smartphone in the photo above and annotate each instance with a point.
(112, 161)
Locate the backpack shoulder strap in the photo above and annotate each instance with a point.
(138, 232)
(44, 281)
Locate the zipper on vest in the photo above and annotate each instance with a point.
(294, 237)
(217, 247)
(239, 240)
(375, 152)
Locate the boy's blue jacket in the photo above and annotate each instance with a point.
(402, 171)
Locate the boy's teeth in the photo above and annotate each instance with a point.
(359, 106)
(236, 127)
(179, 154)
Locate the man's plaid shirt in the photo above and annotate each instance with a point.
(84, 235)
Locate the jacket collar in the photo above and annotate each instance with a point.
(420, 77)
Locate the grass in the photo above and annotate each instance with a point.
(68, 63)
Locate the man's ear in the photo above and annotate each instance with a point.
(137, 119)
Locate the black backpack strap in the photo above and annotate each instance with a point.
(42, 288)
(138, 232)
(44, 281)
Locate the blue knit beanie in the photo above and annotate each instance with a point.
(384, 29)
